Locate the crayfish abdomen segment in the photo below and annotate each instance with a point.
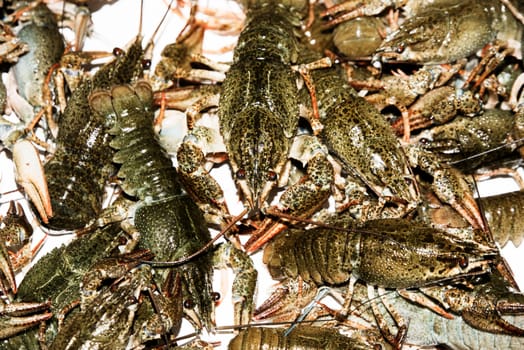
(75, 183)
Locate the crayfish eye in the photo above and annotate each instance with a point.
(463, 262)
(271, 176)
(146, 63)
(215, 296)
(480, 279)
(241, 174)
(424, 141)
(118, 52)
(189, 304)
(400, 48)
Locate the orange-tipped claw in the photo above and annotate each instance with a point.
(272, 305)
(451, 188)
(469, 209)
(30, 175)
(268, 229)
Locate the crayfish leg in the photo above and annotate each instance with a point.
(398, 339)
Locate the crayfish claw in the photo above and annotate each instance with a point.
(483, 306)
(470, 211)
(244, 284)
(287, 302)
(449, 185)
(268, 229)
(491, 321)
(30, 175)
(271, 305)
(169, 306)
(489, 306)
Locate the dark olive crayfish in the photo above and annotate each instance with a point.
(258, 113)
(170, 224)
(81, 164)
(387, 253)
(44, 281)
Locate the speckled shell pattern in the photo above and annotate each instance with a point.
(171, 225)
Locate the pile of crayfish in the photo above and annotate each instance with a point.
(353, 135)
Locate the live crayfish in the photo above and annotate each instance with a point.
(110, 320)
(168, 221)
(381, 153)
(438, 32)
(373, 159)
(73, 209)
(469, 143)
(259, 119)
(472, 23)
(85, 264)
(457, 31)
(85, 267)
(481, 306)
(188, 220)
(65, 171)
(15, 252)
(485, 301)
(29, 80)
(384, 246)
(45, 282)
(309, 266)
(46, 47)
(76, 179)
(184, 253)
(429, 329)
